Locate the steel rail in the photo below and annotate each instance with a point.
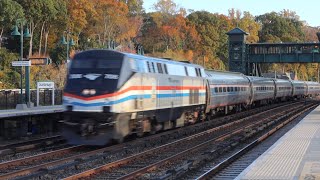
(247, 148)
(24, 143)
(19, 162)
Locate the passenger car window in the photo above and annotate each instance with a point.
(216, 89)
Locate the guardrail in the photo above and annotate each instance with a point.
(9, 98)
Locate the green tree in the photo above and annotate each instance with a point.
(51, 11)
(10, 11)
(8, 76)
(212, 29)
(34, 13)
(276, 27)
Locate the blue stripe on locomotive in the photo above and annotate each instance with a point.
(145, 96)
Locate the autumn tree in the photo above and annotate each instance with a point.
(246, 22)
(212, 29)
(135, 7)
(166, 7)
(80, 13)
(310, 33)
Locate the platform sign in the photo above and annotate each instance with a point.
(21, 63)
(45, 85)
(40, 61)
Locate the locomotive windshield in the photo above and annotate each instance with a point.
(99, 74)
(96, 64)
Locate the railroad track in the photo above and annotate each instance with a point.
(156, 162)
(229, 169)
(69, 161)
(14, 168)
(24, 146)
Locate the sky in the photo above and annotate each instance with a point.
(308, 10)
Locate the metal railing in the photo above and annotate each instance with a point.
(9, 98)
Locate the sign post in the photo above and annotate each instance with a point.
(27, 63)
(45, 85)
(22, 64)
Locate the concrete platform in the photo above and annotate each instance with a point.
(296, 155)
(31, 111)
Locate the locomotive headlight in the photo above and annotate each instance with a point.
(92, 91)
(85, 91)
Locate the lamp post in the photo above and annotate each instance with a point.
(15, 32)
(67, 41)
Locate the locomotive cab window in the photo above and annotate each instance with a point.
(199, 72)
(186, 70)
(159, 68)
(153, 68)
(196, 72)
(148, 65)
(165, 69)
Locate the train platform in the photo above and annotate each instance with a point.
(296, 155)
(9, 113)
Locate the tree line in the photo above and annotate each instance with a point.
(169, 31)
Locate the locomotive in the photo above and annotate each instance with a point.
(110, 95)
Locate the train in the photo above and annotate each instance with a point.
(110, 95)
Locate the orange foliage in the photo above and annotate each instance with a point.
(80, 12)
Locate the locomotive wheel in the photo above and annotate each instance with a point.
(143, 126)
(119, 140)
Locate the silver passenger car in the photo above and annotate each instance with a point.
(263, 89)
(299, 89)
(283, 89)
(313, 88)
(228, 88)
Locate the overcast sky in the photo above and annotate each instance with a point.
(308, 10)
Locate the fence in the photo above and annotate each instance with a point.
(9, 98)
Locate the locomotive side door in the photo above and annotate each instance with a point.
(208, 96)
